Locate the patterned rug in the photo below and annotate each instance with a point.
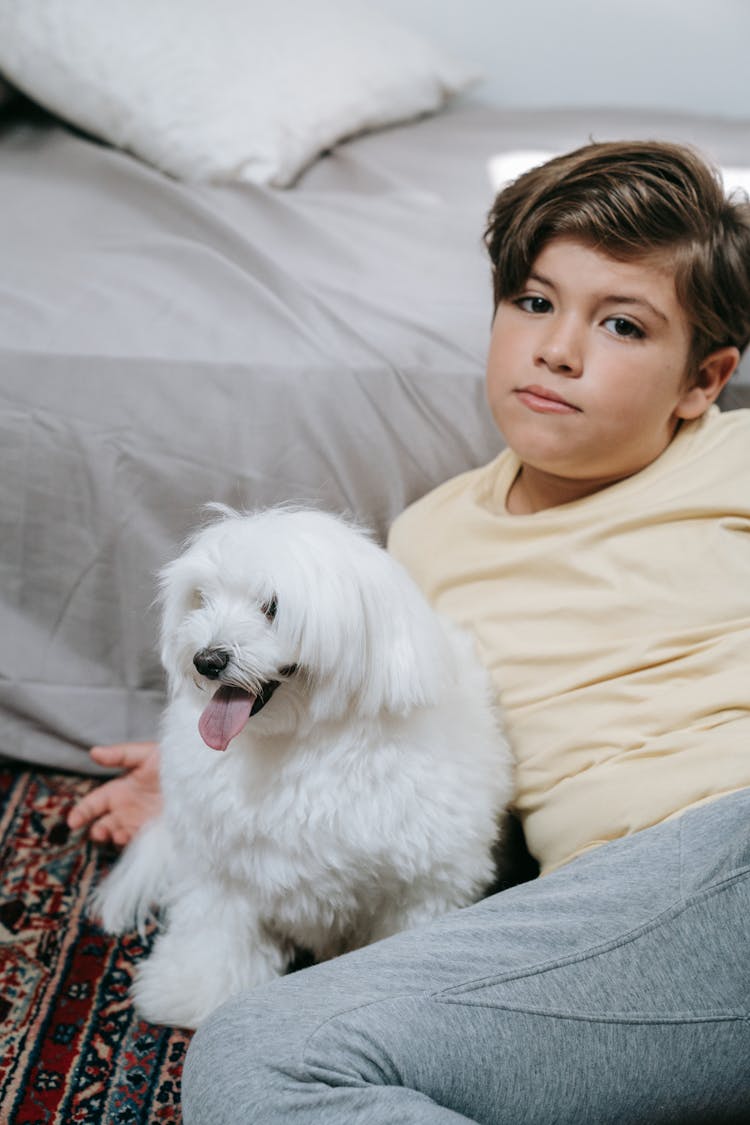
(71, 1048)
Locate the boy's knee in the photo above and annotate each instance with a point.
(253, 1061)
(249, 1061)
(229, 1075)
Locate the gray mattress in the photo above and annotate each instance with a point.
(163, 345)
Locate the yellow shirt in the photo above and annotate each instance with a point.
(616, 629)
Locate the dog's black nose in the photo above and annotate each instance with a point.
(211, 661)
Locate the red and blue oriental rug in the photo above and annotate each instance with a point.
(71, 1048)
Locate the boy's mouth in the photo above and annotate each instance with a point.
(543, 401)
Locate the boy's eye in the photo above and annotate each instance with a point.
(621, 326)
(534, 304)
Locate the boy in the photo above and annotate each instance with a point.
(602, 562)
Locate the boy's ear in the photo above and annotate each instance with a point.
(713, 374)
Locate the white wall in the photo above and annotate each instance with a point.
(669, 54)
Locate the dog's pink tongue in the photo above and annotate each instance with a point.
(225, 716)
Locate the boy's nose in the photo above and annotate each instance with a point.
(561, 351)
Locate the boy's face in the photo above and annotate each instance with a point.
(587, 369)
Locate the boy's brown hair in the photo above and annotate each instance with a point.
(635, 200)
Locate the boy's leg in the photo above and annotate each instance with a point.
(614, 990)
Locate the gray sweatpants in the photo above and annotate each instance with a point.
(616, 989)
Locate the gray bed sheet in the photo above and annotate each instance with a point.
(163, 345)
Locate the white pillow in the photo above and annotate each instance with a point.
(508, 166)
(223, 89)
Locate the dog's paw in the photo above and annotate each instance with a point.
(137, 883)
(108, 906)
(168, 998)
(184, 979)
(166, 994)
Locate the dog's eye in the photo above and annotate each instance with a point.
(269, 608)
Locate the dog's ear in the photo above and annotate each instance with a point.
(363, 631)
(175, 598)
(179, 583)
(410, 658)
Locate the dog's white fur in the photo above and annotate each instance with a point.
(361, 800)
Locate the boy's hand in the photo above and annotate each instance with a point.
(115, 810)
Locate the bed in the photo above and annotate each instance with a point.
(164, 344)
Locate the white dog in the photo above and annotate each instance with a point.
(332, 768)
